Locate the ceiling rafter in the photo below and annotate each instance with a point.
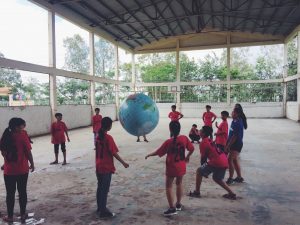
(177, 20)
(128, 10)
(159, 12)
(259, 16)
(130, 26)
(187, 12)
(147, 14)
(93, 22)
(248, 14)
(271, 18)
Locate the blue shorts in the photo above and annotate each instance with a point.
(218, 173)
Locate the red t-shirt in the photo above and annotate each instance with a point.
(23, 147)
(104, 154)
(174, 116)
(216, 159)
(222, 139)
(175, 165)
(58, 130)
(208, 118)
(96, 122)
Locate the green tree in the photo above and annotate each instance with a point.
(292, 56)
(104, 58)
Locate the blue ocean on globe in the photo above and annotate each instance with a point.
(138, 114)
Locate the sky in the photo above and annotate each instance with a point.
(24, 37)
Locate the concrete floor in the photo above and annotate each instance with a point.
(270, 195)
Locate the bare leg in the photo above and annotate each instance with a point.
(236, 164)
(198, 181)
(179, 189)
(224, 185)
(230, 164)
(169, 183)
(65, 161)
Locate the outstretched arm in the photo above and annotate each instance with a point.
(151, 154)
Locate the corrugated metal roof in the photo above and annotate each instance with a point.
(138, 23)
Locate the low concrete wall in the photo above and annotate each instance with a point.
(292, 111)
(255, 110)
(38, 118)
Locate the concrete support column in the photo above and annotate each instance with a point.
(52, 63)
(298, 72)
(133, 74)
(285, 73)
(178, 76)
(228, 88)
(117, 86)
(92, 71)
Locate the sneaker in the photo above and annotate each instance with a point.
(238, 180)
(179, 206)
(106, 214)
(231, 196)
(170, 212)
(229, 181)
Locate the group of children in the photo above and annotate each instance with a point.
(216, 156)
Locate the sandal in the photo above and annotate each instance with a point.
(64, 163)
(194, 194)
(54, 162)
(24, 218)
(230, 196)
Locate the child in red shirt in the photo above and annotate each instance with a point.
(174, 116)
(175, 164)
(106, 151)
(208, 117)
(222, 132)
(16, 151)
(58, 131)
(96, 123)
(217, 164)
(194, 134)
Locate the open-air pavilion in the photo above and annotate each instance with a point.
(270, 158)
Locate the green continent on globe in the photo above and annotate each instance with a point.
(138, 114)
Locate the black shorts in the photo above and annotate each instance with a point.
(236, 147)
(221, 147)
(218, 173)
(62, 147)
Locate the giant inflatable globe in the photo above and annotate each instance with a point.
(138, 114)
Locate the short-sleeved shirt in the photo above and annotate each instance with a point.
(174, 116)
(223, 128)
(207, 116)
(215, 157)
(23, 148)
(96, 120)
(236, 129)
(105, 149)
(58, 130)
(175, 161)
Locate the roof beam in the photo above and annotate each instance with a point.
(248, 13)
(123, 31)
(159, 12)
(132, 14)
(177, 20)
(259, 16)
(145, 12)
(186, 13)
(271, 19)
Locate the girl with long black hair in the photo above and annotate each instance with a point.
(16, 151)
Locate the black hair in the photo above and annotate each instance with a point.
(194, 125)
(106, 123)
(208, 106)
(239, 110)
(57, 114)
(207, 131)
(97, 109)
(176, 149)
(173, 106)
(7, 145)
(225, 113)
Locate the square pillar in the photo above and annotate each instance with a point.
(92, 71)
(117, 86)
(178, 76)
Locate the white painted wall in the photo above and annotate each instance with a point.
(292, 110)
(38, 118)
(252, 110)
